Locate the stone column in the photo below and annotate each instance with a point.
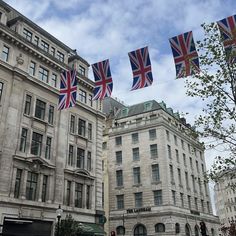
(72, 191)
(50, 189)
(40, 187)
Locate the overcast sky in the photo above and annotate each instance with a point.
(109, 29)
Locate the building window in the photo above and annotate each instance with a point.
(140, 230)
(72, 124)
(182, 144)
(168, 135)
(177, 155)
(177, 228)
(136, 174)
(81, 127)
(51, 115)
(189, 202)
(81, 70)
(54, 80)
(191, 162)
(135, 154)
(153, 151)
(152, 134)
(120, 201)
(5, 53)
(196, 205)
(186, 179)
(1, 90)
(157, 197)
(104, 145)
(32, 68)
(71, 155)
(60, 56)
(17, 183)
(44, 46)
(169, 151)
(88, 197)
(202, 204)
(193, 182)
(80, 158)
(208, 207)
(40, 109)
(200, 185)
(78, 195)
(175, 139)
(27, 34)
(119, 178)
(36, 145)
(155, 173)
(179, 177)
(189, 148)
(138, 200)
(27, 104)
(173, 197)
(36, 40)
(184, 158)
(172, 174)
(44, 188)
(31, 186)
(68, 192)
(89, 161)
(135, 138)
(118, 141)
(197, 166)
(203, 169)
(53, 51)
(43, 74)
(120, 230)
(82, 96)
(90, 98)
(23, 139)
(159, 228)
(182, 199)
(119, 157)
(90, 131)
(48, 148)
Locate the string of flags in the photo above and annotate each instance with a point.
(185, 58)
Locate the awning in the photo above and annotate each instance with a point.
(91, 229)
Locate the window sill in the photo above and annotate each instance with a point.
(137, 185)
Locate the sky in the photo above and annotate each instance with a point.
(109, 29)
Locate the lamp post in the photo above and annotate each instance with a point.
(59, 212)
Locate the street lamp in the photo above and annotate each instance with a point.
(59, 212)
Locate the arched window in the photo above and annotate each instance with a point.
(140, 230)
(159, 228)
(212, 232)
(196, 230)
(120, 230)
(177, 228)
(187, 230)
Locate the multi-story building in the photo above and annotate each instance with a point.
(156, 173)
(47, 157)
(225, 198)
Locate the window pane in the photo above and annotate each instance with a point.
(31, 186)
(36, 144)
(27, 104)
(40, 109)
(23, 139)
(17, 183)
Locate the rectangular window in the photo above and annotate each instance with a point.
(60, 56)
(78, 195)
(193, 183)
(90, 133)
(172, 174)
(36, 144)
(205, 186)
(119, 157)
(136, 173)
(51, 115)
(32, 68)
(90, 98)
(72, 124)
(80, 158)
(71, 155)
(31, 186)
(17, 183)
(155, 173)
(23, 139)
(68, 192)
(138, 200)
(81, 127)
(169, 151)
(189, 202)
(27, 104)
(182, 144)
(40, 109)
(135, 138)
(196, 204)
(44, 188)
(53, 51)
(82, 96)
(168, 135)
(202, 204)
(173, 197)
(89, 161)
(118, 141)
(177, 155)
(43, 74)
(44, 46)
(54, 80)
(88, 197)
(203, 170)
(120, 201)
(208, 207)
(81, 70)
(153, 151)
(152, 134)
(191, 162)
(186, 179)
(5, 53)
(189, 148)
(179, 177)
(184, 158)
(135, 154)
(182, 199)
(36, 40)
(200, 185)
(197, 166)
(157, 197)
(119, 178)
(1, 90)
(175, 139)
(27, 34)
(48, 148)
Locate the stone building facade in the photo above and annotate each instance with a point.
(156, 166)
(47, 157)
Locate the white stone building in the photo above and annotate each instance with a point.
(156, 166)
(47, 157)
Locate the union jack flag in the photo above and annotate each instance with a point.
(185, 54)
(141, 67)
(103, 80)
(68, 90)
(227, 28)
